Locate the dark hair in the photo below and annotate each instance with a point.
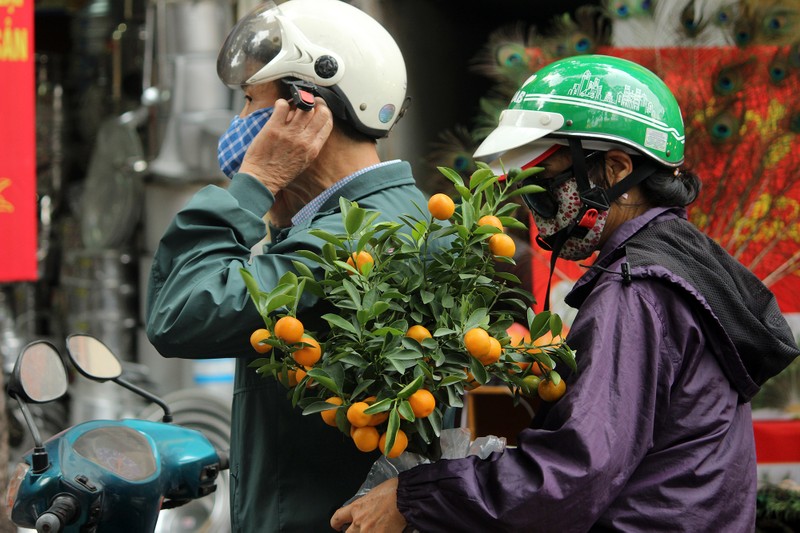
(667, 187)
(671, 187)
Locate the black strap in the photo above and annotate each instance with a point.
(639, 174)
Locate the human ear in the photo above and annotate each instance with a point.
(618, 165)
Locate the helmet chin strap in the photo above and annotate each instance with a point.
(594, 200)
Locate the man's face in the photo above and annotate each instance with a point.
(259, 96)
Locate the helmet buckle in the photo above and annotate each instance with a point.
(302, 93)
(596, 198)
(589, 219)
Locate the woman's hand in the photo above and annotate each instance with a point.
(287, 144)
(375, 512)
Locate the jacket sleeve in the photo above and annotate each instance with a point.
(197, 302)
(564, 474)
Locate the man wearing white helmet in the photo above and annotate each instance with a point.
(322, 81)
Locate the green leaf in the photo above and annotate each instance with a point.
(508, 276)
(379, 407)
(341, 421)
(449, 380)
(427, 297)
(511, 222)
(488, 184)
(480, 176)
(555, 377)
(327, 237)
(463, 191)
(325, 380)
(478, 318)
(404, 408)
(311, 256)
(567, 355)
(384, 331)
(478, 371)
(361, 387)
(468, 213)
(329, 252)
(525, 189)
(353, 360)
(423, 430)
(405, 355)
(353, 220)
(453, 399)
(378, 308)
(391, 430)
(297, 392)
(555, 325)
(411, 388)
(540, 325)
(483, 230)
(452, 175)
(435, 419)
(362, 242)
(447, 301)
(318, 407)
(345, 205)
(303, 269)
(341, 323)
(255, 292)
(288, 278)
(269, 368)
(352, 292)
(281, 300)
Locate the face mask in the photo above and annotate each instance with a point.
(566, 197)
(234, 143)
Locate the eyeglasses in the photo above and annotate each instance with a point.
(545, 203)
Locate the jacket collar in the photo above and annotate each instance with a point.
(613, 249)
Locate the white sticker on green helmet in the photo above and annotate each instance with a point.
(656, 140)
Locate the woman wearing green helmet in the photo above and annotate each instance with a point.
(673, 336)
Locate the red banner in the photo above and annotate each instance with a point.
(17, 143)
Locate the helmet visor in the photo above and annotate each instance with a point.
(252, 44)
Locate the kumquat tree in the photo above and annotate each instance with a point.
(422, 313)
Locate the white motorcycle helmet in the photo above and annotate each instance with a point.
(341, 53)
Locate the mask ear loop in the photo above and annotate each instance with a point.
(557, 241)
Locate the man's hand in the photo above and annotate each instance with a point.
(287, 144)
(375, 512)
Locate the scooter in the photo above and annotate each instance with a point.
(102, 475)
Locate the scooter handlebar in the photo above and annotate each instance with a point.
(62, 511)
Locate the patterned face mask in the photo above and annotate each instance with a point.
(234, 143)
(569, 205)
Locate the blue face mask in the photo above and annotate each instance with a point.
(234, 143)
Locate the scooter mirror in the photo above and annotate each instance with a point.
(39, 375)
(92, 358)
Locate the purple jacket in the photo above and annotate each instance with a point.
(650, 436)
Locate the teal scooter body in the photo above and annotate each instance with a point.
(121, 473)
(101, 476)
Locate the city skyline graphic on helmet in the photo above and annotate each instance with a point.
(600, 99)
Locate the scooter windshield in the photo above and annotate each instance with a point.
(121, 450)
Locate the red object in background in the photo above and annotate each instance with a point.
(18, 219)
(744, 143)
(777, 441)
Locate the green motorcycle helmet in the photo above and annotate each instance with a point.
(605, 102)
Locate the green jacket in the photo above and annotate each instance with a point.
(288, 472)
